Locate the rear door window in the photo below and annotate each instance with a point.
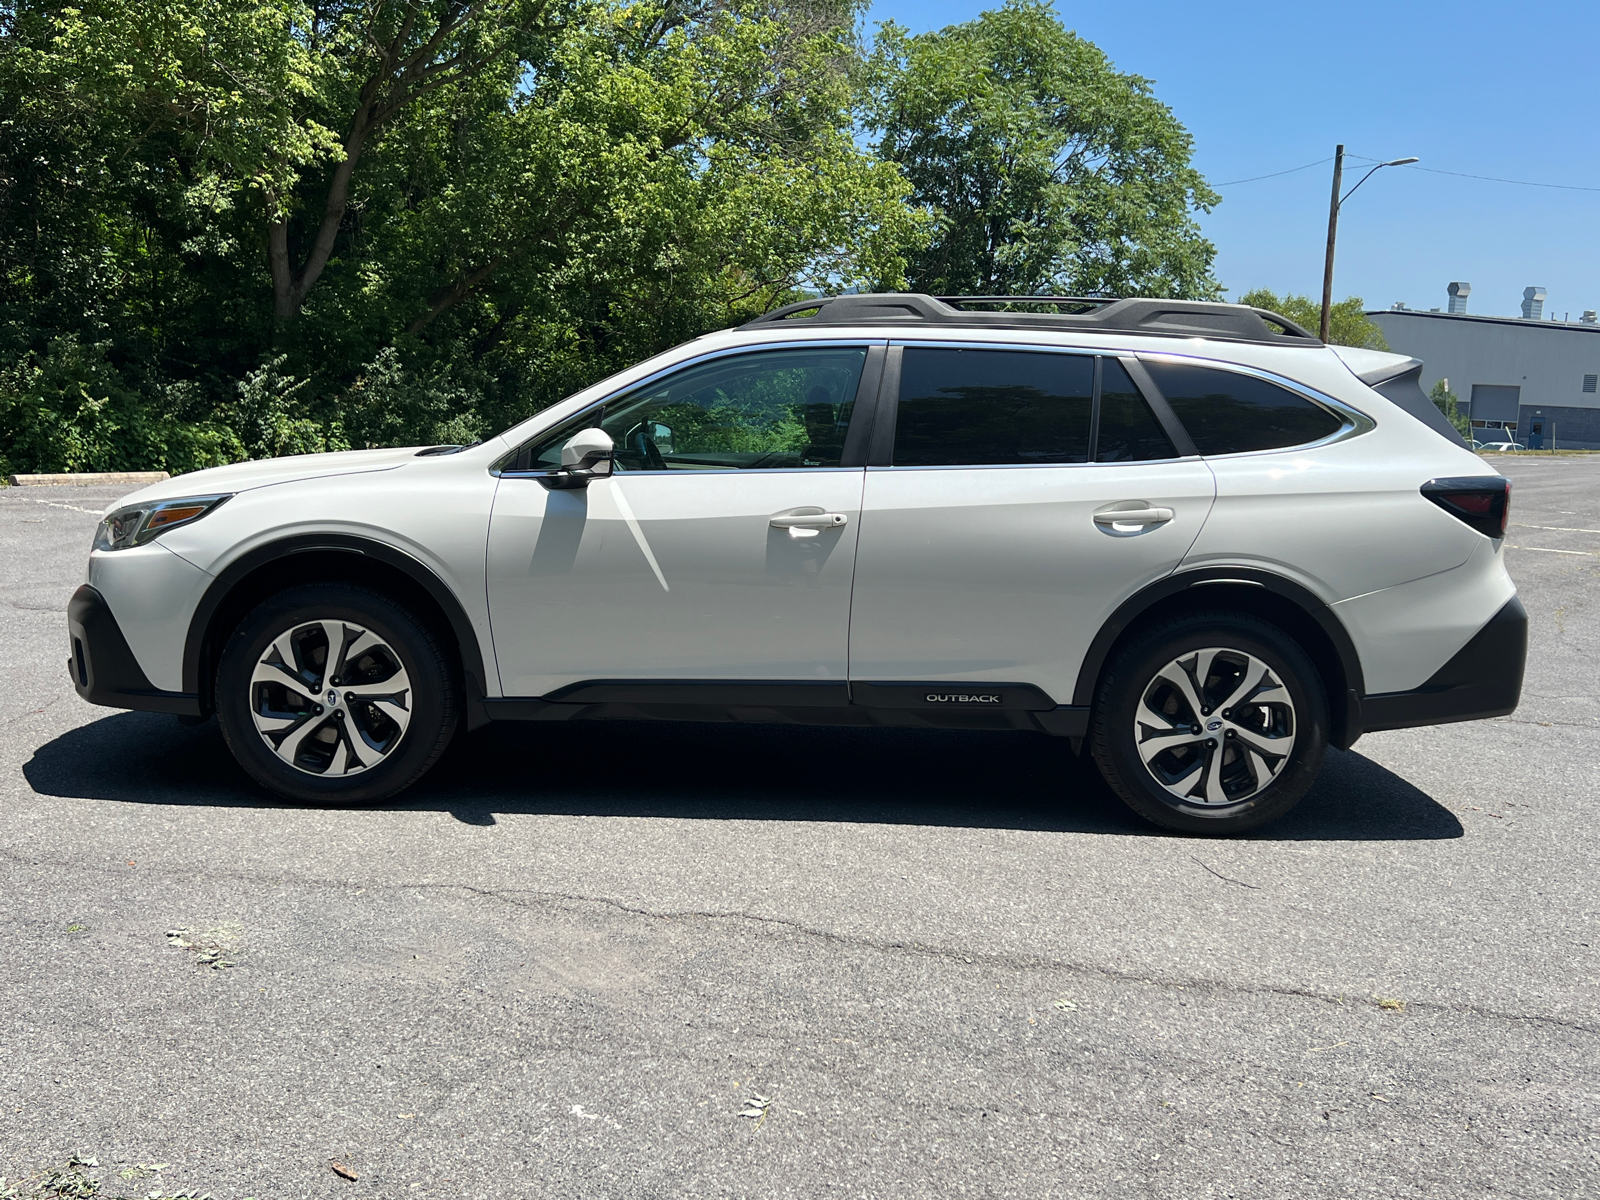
(1129, 431)
(961, 407)
(1226, 412)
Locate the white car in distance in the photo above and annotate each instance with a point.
(1186, 536)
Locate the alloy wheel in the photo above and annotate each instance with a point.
(330, 698)
(1215, 726)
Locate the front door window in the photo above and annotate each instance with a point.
(767, 410)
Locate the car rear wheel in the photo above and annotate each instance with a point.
(331, 693)
(1214, 723)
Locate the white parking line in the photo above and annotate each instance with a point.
(93, 512)
(1555, 528)
(1547, 550)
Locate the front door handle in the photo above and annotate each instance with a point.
(1134, 516)
(809, 518)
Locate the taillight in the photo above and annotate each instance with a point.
(1482, 501)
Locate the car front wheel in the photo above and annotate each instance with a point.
(1214, 723)
(331, 693)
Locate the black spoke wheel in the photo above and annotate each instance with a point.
(335, 694)
(1212, 723)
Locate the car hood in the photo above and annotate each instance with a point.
(263, 472)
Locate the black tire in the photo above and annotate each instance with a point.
(1135, 674)
(425, 712)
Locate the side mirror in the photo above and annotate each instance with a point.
(587, 455)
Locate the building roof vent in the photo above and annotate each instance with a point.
(1533, 303)
(1588, 317)
(1398, 306)
(1458, 296)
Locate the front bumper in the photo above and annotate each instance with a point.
(103, 668)
(1484, 679)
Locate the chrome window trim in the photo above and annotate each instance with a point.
(1137, 462)
(1355, 422)
(695, 474)
(710, 356)
(952, 344)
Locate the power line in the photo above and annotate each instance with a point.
(1566, 187)
(1275, 174)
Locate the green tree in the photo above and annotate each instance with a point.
(1044, 168)
(405, 220)
(1348, 324)
(1449, 404)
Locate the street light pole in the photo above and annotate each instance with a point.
(1334, 204)
(1333, 232)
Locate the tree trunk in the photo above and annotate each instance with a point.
(290, 287)
(399, 78)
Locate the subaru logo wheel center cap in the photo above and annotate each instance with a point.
(333, 697)
(1213, 726)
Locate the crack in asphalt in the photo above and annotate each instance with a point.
(1546, 724)
(32, 712)
(530, 898)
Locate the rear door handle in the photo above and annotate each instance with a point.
(813, 518)
(1134, 516)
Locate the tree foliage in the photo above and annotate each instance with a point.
(1449, 404)
(1046, 169)
(1348, 324)
(235, 228)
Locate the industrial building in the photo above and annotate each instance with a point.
(1526, 379)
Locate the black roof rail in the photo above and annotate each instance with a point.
(1056, 301)
(1163, 318)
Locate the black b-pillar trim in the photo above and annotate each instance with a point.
(880, 451)
(858, 436)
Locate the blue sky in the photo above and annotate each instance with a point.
(1485, 89)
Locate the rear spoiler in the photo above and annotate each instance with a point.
(1398, 379)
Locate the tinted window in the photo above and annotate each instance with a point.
(1129, 431)
(773, 408)
(992, 407)
(1226, 412)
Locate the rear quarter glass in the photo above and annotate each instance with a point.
(1227, 412)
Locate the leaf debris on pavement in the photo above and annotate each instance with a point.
(212, 947)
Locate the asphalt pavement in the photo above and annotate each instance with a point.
(737, 961)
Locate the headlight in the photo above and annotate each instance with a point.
(141, 523)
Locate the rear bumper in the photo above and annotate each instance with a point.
(1483, 679)
(103, 668)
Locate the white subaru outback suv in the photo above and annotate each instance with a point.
(1188, 535)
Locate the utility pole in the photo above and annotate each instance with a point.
(1333, 223)
(1333, 233)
